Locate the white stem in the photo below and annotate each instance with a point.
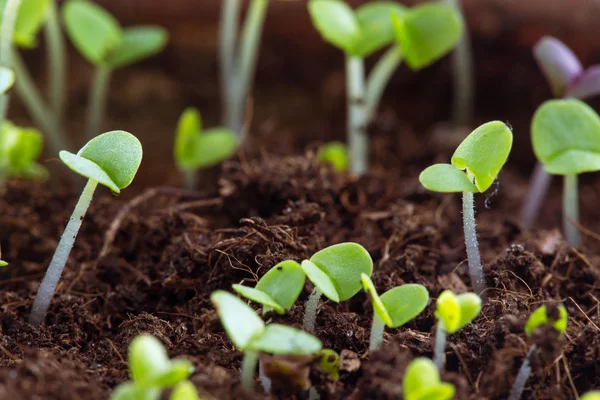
(517, 389)
(9, 17)
(377, 329)
(55, 44)
(97, 101)
(248, 370)
(473, 257)
(538, 189)
(61, 255)
(440, 346)
(264, 379)
(230, 15)
(379, 78)
(571, 210)
(313, 394)
(310, 311)
(355, 92)
(189, 180)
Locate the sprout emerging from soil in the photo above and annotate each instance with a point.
(250, 334)
(453, 312)
(278, 289)
(151, 371)
(566, 140)
(557, 319)
(335, 271)
(19, 150)
(100, 39)
(196, 148)
(336, 154)
(329, 362)
(475, 165)
(422, 381)
(111, 159)
(394, 308)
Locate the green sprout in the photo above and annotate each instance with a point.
(453, 313)
(7, 79)
(593, 395)
(98, 36)
(475, 165)
(111, 159)
(10, 9)
(336, 154)
(19, 150)
(394, 308)
(422, 382)
(196, 148)
(250, 334)
(151, 371)
(566, 140)
(3, 263)
(556, 317)
(329, 362)
(184, 391)
(278, 289)
(335, 272)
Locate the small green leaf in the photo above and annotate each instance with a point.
(446, 178)
(137, 43)
(422, 382)
(259, 297)
(376, 28)
(147, 359)
(3, 263)
(321, 280)
(336, 154)
(593, 395)
(7, 79)
(404, 303)
(240, 321)
(378, 306)
(285, 340)
(30, 18)
(427, 32)
(111, 158)
(336, 22)
(330, 363)
(483, 153)
(566, 137)
(540, 316)
(344, 263)
(132, 391)
(284, 283)
(184, 391)
(178, 371)
(456, 311)
(92, 29)
(20, 147)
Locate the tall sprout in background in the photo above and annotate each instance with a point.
(9, 18)
(567, 79)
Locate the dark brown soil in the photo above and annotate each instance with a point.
(150, 263)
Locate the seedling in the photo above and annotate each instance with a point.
(100, 39)
(278, 289)
(422, 382)
(566, 140)
(475, 165)
(195, 149)
(336, 154)
(111, 159)
(250, 334)
(394, 308)
(329, 362)
(10, 8)
(151, 371)
(557, 319)
(19, 150)
(3, 263)
(184, 391)
(453, 313)
(335, 272)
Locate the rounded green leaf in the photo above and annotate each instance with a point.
(7, 79)
(443, 391)
(259, 297)
(285, 340)
(131, 391)
(540, 316)
(404, 303)
(92, 29)
(283, 283)
(184, 391)
(178, 371)
(336, 22)
(427, 32)
(422, 382)
(483, 153)
(336, 154)
(147, 359)
(378, 306)
(20, 147)
(456, 311)
(240, 321)
(188, 127)
(137, 43)
(3, 263)
(30, 18)
(566, 137)
(376, 30)
(446, 178)
(330, 363)
(321, 280)
(593, 395)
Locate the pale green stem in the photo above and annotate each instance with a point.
(55, 44)
(189, 180)
(517, 389)
(440, 346)
(356, 119)
(310, 311)
(538, 188)
(313, 394)
(230, 15)
(379, 78)
(571, 210)
(377, 328)
(248, 370)
(61, 255)
(473, 257)
(265, 381)
(97, 101)
(9, 17)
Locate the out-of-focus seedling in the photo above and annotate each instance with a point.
(329, 362)
(394, 308)
(556, 317)
(250, 334)
(19, 150)
(150, 371)
(336, 154)
(453, 313)
(196, 148)
(10, 9)
(278, 289)
(593, 395)
(7, 79)
(184, 391)
(335, 272)
(111, 159)
(3, 263)
(566, 139)
(100, 39)
(475, 165)
(422, 382)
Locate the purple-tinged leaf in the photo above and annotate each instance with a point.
(558, 63)
(585, 85)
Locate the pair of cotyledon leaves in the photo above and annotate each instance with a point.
(540, 316)
(425, 32)
(422, 382)
(103, 42)
(19, 149)
(456, 311)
